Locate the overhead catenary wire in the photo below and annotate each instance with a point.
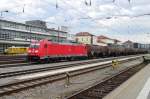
(109, 17)
(82, 12)
(56, 4)
(85, 14)
(88, 3)
(115, 0)
(98, 18)
(63, 9)
(75, 9)
(88, 17)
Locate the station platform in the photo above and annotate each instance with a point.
(136, 87)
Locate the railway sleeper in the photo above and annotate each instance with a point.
(91, 95)
(15, 87)
(7, 89)
(84, 97)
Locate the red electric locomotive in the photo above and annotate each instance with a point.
(48, 50)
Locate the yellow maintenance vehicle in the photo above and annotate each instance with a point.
(16, 50)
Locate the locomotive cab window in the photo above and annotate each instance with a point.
(34, 46)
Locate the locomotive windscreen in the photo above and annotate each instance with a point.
(35, 45)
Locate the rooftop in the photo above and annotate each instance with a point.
(84, 34)
(104, 37)
(100, 41)
(128, 41)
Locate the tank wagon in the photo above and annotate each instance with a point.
(109, 51)
(49, 51)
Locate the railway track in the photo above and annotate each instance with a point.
(32, 63)
(22, 62)
(12, 59)
(101, 89)
(19, 85)
(29, 71)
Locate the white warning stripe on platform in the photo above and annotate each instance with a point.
(145, 91)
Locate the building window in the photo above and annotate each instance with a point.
(82, 39)
(87, 39)
(5, 35)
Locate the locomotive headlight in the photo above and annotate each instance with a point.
(29, 51)
(36, 51)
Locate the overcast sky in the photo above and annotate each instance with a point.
(120, 19)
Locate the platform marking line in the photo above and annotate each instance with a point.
(145, 91)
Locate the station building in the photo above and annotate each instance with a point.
(21, 34)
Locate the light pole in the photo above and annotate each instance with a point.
(30, 34)
(28, 28)
(58, 33)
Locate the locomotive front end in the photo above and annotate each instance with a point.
(33, 52)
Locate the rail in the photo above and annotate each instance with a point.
(100, 90)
